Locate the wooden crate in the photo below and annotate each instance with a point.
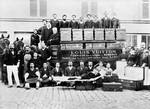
(109, 34)
(88, 34)
(65, 34)
(120, 34)
(77, 34)
(98, 45)
(99, 34)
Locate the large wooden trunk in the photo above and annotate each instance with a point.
(85, 85)
(112, 86)
(65, 34)
(77, 34)
(109, 34)
(88, 34)
(99, 34)
(120, 34)
(132, 84)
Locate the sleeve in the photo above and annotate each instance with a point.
(42, 35)
(52, 71)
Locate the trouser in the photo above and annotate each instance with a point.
(12, 70)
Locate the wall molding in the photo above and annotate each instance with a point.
(40, 19)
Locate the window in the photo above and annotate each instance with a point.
(145, 10)
(33, 8)
(43, 8)
(94, 8)
(84, 8)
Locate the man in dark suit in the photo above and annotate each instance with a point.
(73, 23)
(39, 31)
(45, 74)
(81, 23)
(57, 71)
(35, 39)
(81, 70)
(115, 23)
(106, 21)
(70, 70)
(64, 23)
(96, 23)
(55, 21)
(46, 33)
(90, 66)
(89, 22)
(54, 39)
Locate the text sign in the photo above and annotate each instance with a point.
(91, 54)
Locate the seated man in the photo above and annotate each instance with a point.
(110, 76)
(45, 74)
(81, 70)
(70, 70)
(57, 71)
(54, 39)
(32, 76)
(98, 71)
(90, 66)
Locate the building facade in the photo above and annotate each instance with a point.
(19, 17)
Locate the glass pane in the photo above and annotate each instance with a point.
(33, 7)
(43, 8)
(145, 10)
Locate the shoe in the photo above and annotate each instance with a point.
(10, 86)
(27, 88)
(37, 88)
(18, 86)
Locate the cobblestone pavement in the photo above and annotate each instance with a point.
(68, 98)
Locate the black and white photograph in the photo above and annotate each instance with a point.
(74, 54)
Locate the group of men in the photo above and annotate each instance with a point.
(53, 25)
(30, 65)
(134, 56)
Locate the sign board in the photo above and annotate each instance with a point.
(99, 34)
(88, 46)
(98, 45)
(65, 34)
(120, 34)
(88, 34)
(77, 34)
(94, 54)
(109, 34)
(74, 46)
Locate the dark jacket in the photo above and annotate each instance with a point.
(146, 60)
(81, 70)
(39, 31)
(71, 72)
(45, 72)
(115, 23)
(55, 73)
(97, 24)
(55, 39)
(32, 74)
(88, 24)
(35, 39)
(106, 23)
(89, 69)
(10, 58)
(64, 24)
(74, 25)
(81, 25)
(55, 23)
(46, 33)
